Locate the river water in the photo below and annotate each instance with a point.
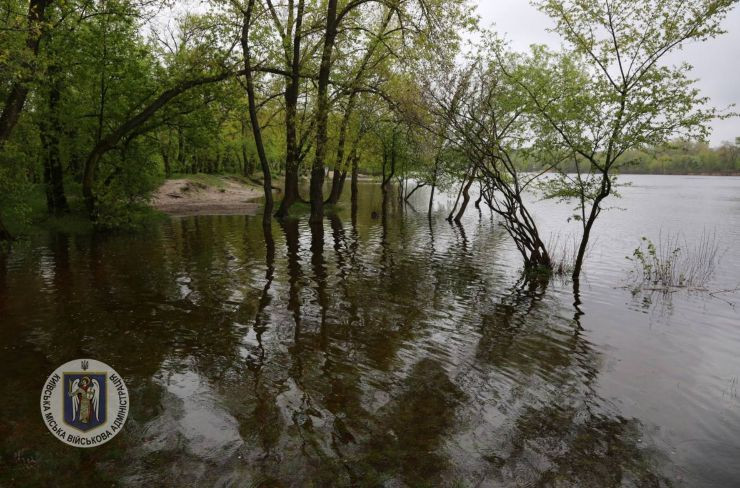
(393, 352)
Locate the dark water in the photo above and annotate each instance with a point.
(396, 352)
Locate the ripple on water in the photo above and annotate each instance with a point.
(405, 351)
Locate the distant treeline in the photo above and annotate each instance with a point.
(681, 157)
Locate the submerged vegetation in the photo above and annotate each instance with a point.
(102, 100)
(674, 263)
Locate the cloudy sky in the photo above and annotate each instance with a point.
(716, 62)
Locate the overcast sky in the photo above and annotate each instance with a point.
(716, 62)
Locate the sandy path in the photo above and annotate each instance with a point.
(185, 197)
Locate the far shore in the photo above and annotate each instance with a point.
(682, 174)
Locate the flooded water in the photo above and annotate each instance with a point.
(380, 352)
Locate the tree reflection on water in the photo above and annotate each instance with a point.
(386, 353)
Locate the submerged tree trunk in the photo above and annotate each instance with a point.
(385, 183)
(354, 188)
(466, 197)
(431, 199)
(502, 192)
(254, 119)
(604, 192)
(521, 227)
(322, 117)
(435, 174)
(459, 194)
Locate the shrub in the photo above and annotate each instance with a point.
(673, 263)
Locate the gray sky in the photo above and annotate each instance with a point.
(716, 62)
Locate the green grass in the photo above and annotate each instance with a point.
(299, 208)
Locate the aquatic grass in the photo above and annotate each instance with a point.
(564, 252)
(674, 263)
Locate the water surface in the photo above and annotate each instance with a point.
(402, 351)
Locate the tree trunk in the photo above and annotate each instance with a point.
(248, 167)
(342, 179)
(74, 163)
(431, 197)
(19, 89)
(583, 246)
(322, 123)
(166, 161)
(418, 186)
(181, 159)
(109, 142)
(336, 184)
(254, 120)
(339, 162)
(4, 233)
(466, 198)
(18, 92)
(354, 189)
(56, 201)
(88, 176)
(292, 150)
(459, 194)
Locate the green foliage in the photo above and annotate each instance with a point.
(123, 197)
(605, 105)
(682, 157)
(15, 199)
(656, 269)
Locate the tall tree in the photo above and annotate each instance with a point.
(19, 89)
(322, 114)
(620, 94)
(50, 131)
(354, 87)
(292, 36)
(253, 116)
(485, 117)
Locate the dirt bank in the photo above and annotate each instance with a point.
(214, 196)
